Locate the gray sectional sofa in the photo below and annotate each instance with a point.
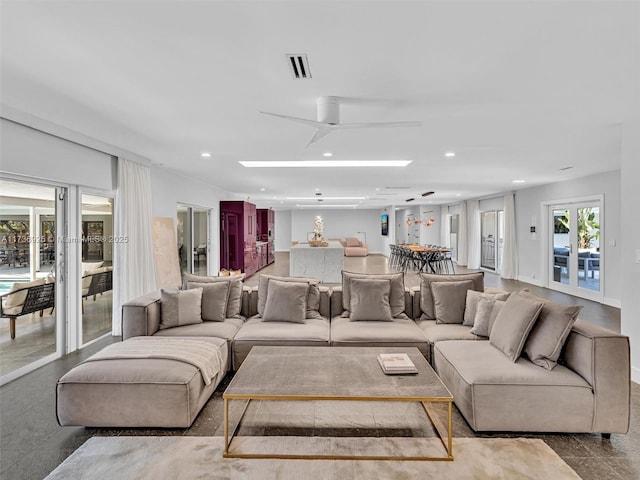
(582, 386)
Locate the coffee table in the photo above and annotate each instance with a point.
(335, 373)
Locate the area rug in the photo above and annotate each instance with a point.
(128, 458)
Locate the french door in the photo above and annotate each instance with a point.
(575, 260)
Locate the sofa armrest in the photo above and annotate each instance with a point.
(602, 358)
(141, 316)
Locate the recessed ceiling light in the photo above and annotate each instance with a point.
(327, 154)
(378, 189)
(326, 198)
(324, 163)
(450, 154)
(205, 154)
(262, 189)
(458, 194)
(317, 189)
(518, 181)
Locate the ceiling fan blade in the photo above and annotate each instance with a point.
(311, 123)
(320, 133)
(379, 125)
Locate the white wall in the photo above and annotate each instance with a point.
(168, 188)
(630, 242)
(531, 255)
(282, 231)
(339, 224)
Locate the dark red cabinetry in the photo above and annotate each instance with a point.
(238, 236)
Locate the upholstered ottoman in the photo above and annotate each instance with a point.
(143, 382)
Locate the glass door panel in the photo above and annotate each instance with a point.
(575, 260)
(488, 234)
(96, 285)
(29, 249)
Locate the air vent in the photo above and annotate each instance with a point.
(426, 194)
(566, 168)
(299, 66)
(409, 199)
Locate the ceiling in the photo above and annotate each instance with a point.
(518, 90)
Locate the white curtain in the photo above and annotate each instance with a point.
(445, 241)
(473, 228)
(462, 236)
(134, 267)
(509, 250)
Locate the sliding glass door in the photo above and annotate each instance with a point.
(492, 238)
(32, 280)
(193, 239)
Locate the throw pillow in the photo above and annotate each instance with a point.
(449, 299)
(396, 296)
(180, 307)
(370, 299)
(234, 301)
(471, 305)
(486, 313)
(215, 296)
(286, 302)
(426, 297)
(313, 293)
(550, 331)
(513, 324)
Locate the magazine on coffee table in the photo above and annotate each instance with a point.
(396, 363)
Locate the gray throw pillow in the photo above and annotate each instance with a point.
(550, 331)
(426, 297)
(396, 296)
(486, 313)
(513, 324)
(370, 299)
(180, 307)
(286, 302)
(313, 293)
(473, 297)
(214, 301)
(449, 299)
(234, 301)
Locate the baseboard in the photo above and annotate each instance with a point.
(635, 374)
(531, 280)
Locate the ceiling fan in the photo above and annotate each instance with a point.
(329, 120)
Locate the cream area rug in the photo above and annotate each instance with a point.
(190, 457)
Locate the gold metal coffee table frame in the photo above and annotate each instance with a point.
(259, 354)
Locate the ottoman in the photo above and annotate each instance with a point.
(123, 387)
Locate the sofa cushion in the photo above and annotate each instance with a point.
(494, 394)
(370, 299)
(550, 332)
(400, 331)
(449, 300)
(471, 304)
(313, 294)
(180, 307)
(396, 295)
(286, 302)
(486, 313)
(234, 302)
(438, 332)
(426, 297)
(226, 329)
(513, 324)
(17, 299)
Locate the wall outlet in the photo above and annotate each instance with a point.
(612, 243)
(637, 256)
(533, 275)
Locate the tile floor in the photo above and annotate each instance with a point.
(32, 444)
